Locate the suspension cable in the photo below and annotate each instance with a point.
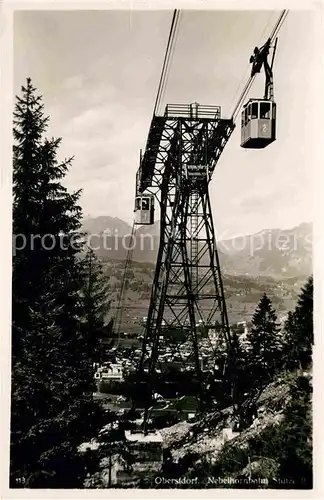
(170, 60)
(168, 52)
(161, 89)
(123, 286)
(279, 24)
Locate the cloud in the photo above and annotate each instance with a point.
(73, 83)
(283, 196)
(105, 136)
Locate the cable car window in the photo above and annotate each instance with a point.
(254, 113)
(138, 204)
(249, 112)
(245, 116)
(273, 111)
(265, 109)
(145, 204)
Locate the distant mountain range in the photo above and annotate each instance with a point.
(271, 252)
(98, 225)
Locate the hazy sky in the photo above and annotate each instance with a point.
(98, 72)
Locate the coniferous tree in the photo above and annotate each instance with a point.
(288, 336)
(53, 410)
(94, 296)
(299, 334)
(30, 386)
(296, 453)
(265, 343)
(240, 378)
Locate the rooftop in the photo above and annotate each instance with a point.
(151, 437)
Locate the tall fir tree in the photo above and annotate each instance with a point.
(265, 342)
(240, 379)
(296, 454)
(94, 296)
(299, 330)
(52, 405)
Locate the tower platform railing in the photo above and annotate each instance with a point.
(193, 111)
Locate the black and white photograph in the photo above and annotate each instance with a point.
(162, 179)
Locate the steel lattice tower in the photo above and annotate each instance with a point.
(187, 313)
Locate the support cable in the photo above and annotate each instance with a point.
(168, 53)
(123, 289)
(170, 60)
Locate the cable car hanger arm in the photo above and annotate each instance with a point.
(259, 59)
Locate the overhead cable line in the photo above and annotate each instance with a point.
(170, 60)
(168, 53)
(120, 305)
(160, 93)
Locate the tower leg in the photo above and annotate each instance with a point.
(187, 316)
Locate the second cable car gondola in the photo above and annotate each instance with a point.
(144, 209)
(258, 119)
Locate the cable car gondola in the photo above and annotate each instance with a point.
(258, 125)
(144, 209)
